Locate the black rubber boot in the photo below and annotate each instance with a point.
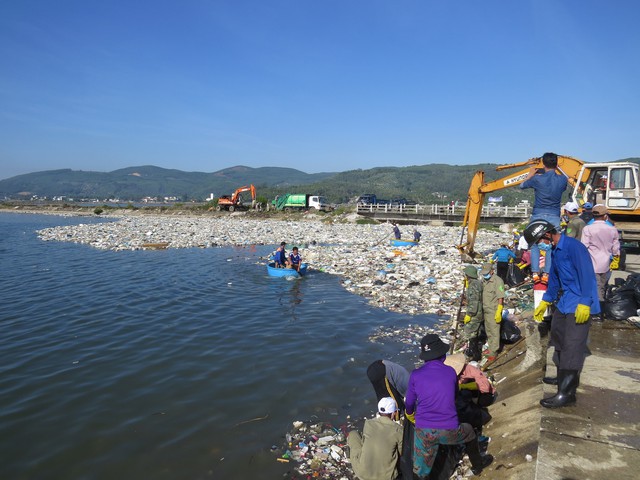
(567, 384)
(478, 461)
(556, 362)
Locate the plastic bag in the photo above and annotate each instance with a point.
(515, 276)
(621, 301)
(509, 332)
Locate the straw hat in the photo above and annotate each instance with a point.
(456, 362)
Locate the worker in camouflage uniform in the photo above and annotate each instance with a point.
(473, 318)
(492, 304)
(575, 224)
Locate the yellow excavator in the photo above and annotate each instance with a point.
(614, 184)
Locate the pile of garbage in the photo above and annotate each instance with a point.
(317, 450)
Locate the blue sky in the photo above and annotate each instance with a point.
(202, 85)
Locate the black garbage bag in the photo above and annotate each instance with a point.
(515, 276)
(509, 332)
(634, 281)
(620, 300)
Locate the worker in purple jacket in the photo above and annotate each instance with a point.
(431, 404)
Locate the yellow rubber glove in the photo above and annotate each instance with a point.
(411, 417)
(615, 263)
(469, 386)
(498, 316)
(467, 319)
(582, 313)
(538, 314)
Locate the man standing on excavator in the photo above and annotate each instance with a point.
(548, 187)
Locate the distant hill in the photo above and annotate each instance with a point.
(134, 183)
(433, 183)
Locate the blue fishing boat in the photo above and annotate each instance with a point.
(396, 242)
(285, 272)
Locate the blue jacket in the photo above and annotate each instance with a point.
(548, 188)
(572, 271)
(503, 254)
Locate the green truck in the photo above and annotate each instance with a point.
(301, 201)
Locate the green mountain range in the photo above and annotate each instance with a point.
(433, 183)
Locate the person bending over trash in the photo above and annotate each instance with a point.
(389, 380)
(473, 318)
(474, 395)
(471, 378)
(416, 235)
(431, 404)
(492, 301)
(295, 259)
(375, 457)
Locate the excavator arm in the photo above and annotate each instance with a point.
(247, 188)
(568, 166)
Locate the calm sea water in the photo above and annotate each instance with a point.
(149, 364)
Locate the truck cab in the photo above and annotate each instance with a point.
(367, 199)
(319, 203)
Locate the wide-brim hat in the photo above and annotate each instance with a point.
(432, 347)
(486, 269)
(470, 271)
(456, 362)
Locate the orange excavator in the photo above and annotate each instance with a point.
(234, 201)
(614, 184)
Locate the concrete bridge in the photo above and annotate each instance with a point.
(445, 214)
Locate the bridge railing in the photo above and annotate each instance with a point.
(444, 210)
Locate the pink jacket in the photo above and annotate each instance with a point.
(473, 374)
(601, 239)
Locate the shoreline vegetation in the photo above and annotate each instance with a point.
(425, 279)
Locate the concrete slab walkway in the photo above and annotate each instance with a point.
(599, 437)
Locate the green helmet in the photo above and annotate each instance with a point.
(470, 271)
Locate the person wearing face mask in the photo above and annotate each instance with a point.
(575, 224)
(492, 304)
(572, 285)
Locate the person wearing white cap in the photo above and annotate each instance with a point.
(575, 224)
(376, 456)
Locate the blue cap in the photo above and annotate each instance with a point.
(587, 205)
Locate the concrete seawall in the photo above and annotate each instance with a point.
(598, 438)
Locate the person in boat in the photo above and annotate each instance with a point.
(280, 257)
(295, 260)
